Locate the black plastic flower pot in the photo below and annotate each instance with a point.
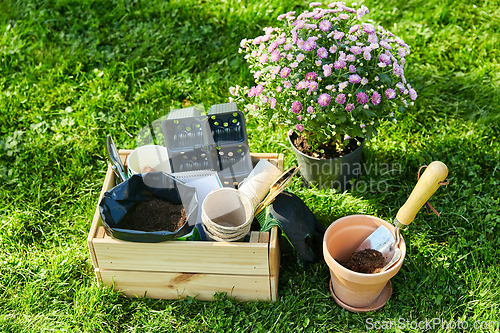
(329, 173)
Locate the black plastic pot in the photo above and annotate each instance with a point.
(329, 173)
(118, 201)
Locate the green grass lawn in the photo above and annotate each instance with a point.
(73, 71)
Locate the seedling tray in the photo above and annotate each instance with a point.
(247, 271)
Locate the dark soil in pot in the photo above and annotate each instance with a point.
(329, 149)
(367, 261)
(154, 215)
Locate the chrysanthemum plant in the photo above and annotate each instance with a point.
(326, 75)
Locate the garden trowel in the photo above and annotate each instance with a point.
(382, 238)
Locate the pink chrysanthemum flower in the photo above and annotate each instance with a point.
(340, 99)
(338, 35)
(385, 45)
(368, 28)
(301, 85)
(299, 127)
(310, 26)
(285, 72)
(322, 53)
(349, 107)
(376, 98)
(296, 107)
(272, 102)
(287, 84)
(300, 57)
(390, 93)
(325, 25)
(327, 70)
(352, 38)
(289, 57)
(333, 49)
(272, 47)
(344, 16)
(311, 76)
(319, 15)
(275, 56)
(362, 98)
(339, 64)
(259, 89)
(352, 69)
(324, 99)
(257, 74)
(251, 92)
(299, 118)
(347, 137)
(367, 55)
(279, 89)
(263, 58)
(310, 109)
(401, 87)
(350, 57)
(356, 50)
(364, 81)
(372, 38)
(315, 4)
(355, 78)
(354, 28)
(401, 52)
(413, 94)
(313, 86)
(294, 64)
(385, 59)
(287, 47)
(309, 45)
(343, 85)
(299, 24)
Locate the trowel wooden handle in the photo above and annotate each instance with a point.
(428, 183)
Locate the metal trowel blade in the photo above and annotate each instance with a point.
(383, 241)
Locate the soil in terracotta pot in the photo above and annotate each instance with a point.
(367, 261)
(154, 215)
(329, 150)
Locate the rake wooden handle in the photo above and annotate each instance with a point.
(428, 183)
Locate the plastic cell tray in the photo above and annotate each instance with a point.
(217, 141)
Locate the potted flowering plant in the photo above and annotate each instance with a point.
(327, 78)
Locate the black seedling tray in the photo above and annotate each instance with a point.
(217, 141)
(197, 159)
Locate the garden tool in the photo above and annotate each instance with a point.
(277, 187)
(116, 162)
(382, 238)
(301, 232)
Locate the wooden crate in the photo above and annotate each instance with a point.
(176, 269)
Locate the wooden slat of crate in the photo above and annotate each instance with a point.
(187, 257)
(274, 262)
(179, 285)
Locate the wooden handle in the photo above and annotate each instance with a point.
(428, 183)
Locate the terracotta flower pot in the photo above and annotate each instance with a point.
(357, 290)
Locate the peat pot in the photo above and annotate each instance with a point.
(329, 173)
(357, 292)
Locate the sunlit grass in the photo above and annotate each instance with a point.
(72, 72)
